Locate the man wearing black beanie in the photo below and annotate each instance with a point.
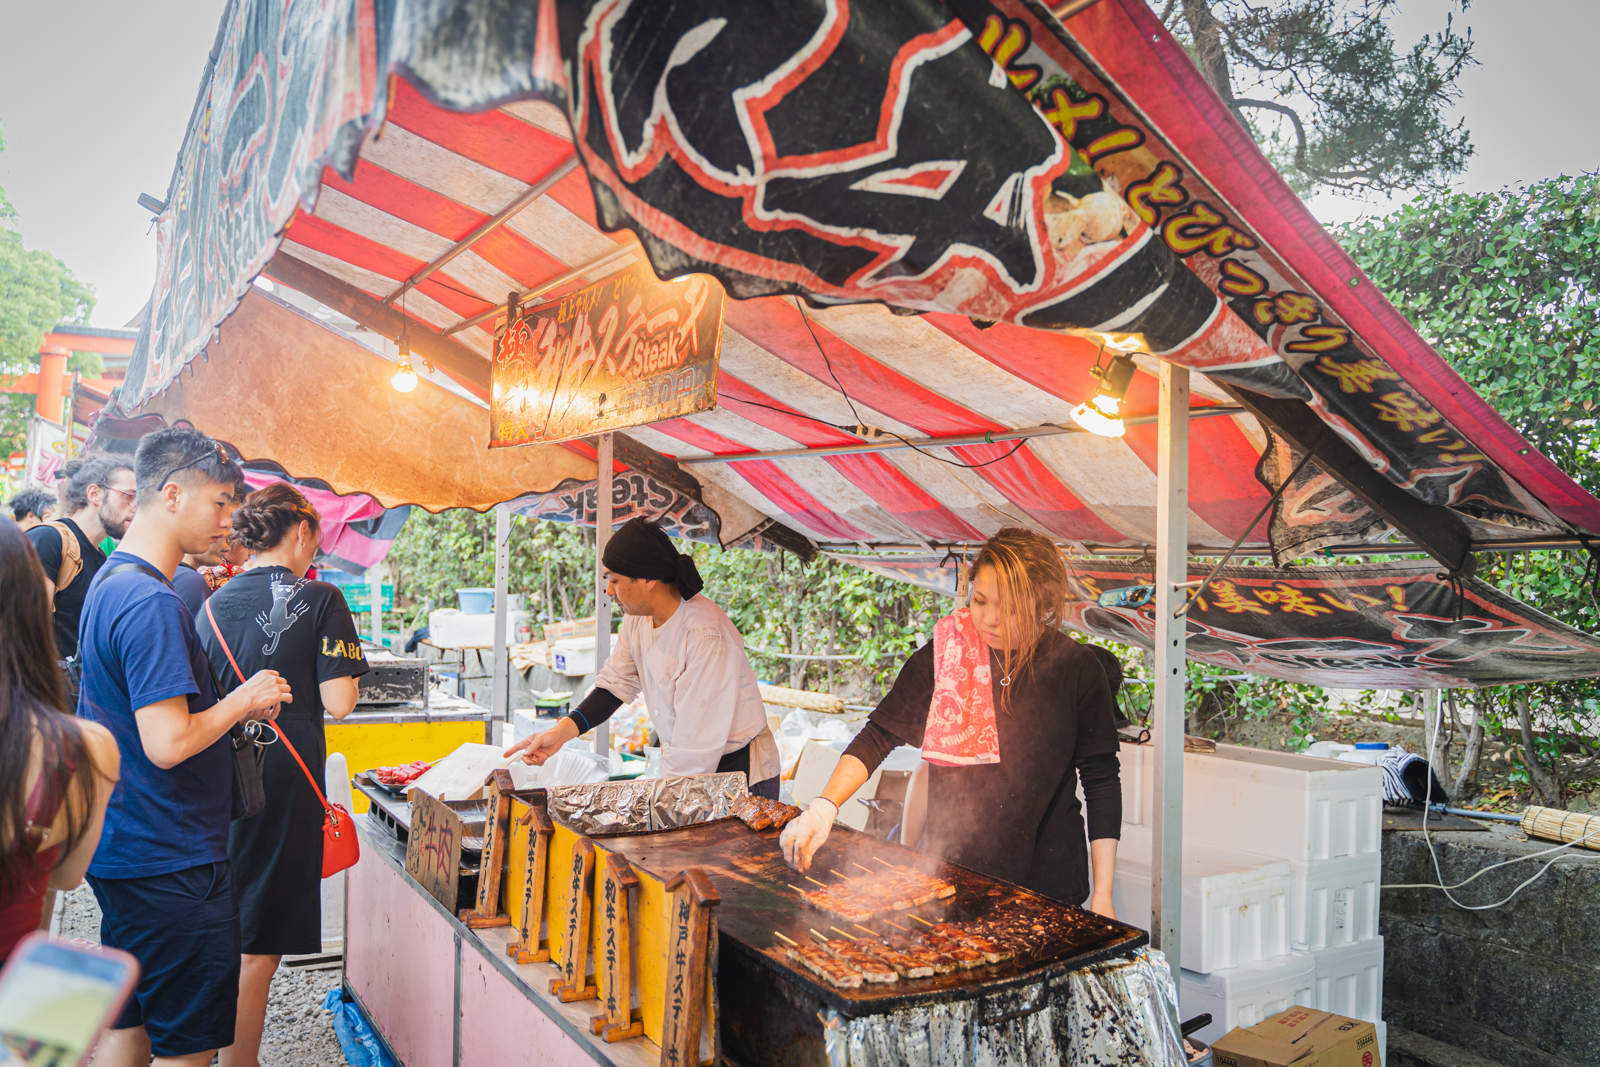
(683, 653)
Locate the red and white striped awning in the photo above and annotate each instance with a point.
(950, 159)
(430, 178)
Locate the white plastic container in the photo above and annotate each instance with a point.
(1369, 752)
(1273, 803)
(1244, 996)
(1350, 980)
(1327, 749)
(573, 657)
(450, 628)
(1334, 901)
(1235, 904)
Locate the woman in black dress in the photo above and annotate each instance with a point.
(1010, 713)
(272, 617)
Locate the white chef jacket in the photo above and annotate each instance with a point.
(699, 687)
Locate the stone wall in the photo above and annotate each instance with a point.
(1518, 984)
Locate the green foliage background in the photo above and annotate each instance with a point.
(37, 291)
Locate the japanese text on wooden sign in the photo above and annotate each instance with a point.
(433, 847)
(626, 351)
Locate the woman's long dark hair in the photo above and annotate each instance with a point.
(33, 707)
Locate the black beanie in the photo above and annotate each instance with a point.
(642, 549)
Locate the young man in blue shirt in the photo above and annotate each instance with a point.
(161, 871)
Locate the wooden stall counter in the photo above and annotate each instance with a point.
(442, 993)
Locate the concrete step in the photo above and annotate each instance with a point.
(1410, 1049)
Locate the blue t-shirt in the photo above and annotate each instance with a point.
(139, 647)
(192, 587)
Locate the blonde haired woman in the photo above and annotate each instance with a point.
(1010, 713)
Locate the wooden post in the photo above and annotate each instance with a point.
(540, 830)
(689, 950)
(496, 826)
(617, 1022)
(574, 981)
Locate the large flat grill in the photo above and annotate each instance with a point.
(748, 871)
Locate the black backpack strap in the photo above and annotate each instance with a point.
(123, 567)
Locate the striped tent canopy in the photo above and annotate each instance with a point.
(931, 218)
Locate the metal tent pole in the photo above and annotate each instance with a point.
(500, 699)
(1167, 709)
(602, 603)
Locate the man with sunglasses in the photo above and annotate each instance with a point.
(161, 871)
(98, 497)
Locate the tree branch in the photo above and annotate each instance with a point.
(1294, 117)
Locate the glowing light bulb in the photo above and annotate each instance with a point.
(1094, 418)
(405, 379)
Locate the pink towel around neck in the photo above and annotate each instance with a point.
(961, 726)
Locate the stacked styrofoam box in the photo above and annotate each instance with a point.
(1235, 904)
(1244, 996)
(1350, 980)
(1324, 818)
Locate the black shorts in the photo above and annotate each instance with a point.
(183, 928)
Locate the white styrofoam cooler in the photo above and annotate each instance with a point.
(1244, 996)
(574, 657)
(1335, 901)
(450, 628)
(1350, 980)
(1274, 803)
(1235, 904)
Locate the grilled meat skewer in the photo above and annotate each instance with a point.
(825, 965)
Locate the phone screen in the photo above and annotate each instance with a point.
(54, 998)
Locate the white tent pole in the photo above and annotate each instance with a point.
(602, 603)
(1167, 709)
(500, 698)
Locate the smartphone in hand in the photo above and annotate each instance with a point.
(56, 997)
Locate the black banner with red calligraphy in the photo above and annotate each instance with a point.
(1367, 626)
(626, 351)
(1379, 626)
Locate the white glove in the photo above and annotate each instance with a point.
(807, 833)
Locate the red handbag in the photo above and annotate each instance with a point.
(340, 848)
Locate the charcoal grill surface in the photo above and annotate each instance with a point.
(753, 880)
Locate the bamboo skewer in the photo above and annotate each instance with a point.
(897, 926)
(812, 880)
(791, 940)
(796, 888)
(836, 874)
(869, 870)
(843, 934)
(886, 863)
(818, 936)
(858, 926)
(921, 920)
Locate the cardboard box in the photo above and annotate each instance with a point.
(1304, 1037)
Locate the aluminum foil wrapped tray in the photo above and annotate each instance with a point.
(646, 805)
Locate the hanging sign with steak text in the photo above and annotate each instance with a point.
(627, 351)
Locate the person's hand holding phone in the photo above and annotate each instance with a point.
(57, 997)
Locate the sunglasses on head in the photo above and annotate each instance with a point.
(221, 456)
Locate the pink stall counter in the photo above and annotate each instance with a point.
(440, 994)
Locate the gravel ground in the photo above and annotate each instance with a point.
(298, 1034)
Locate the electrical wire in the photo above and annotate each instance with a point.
(826, 362)
(1439, 874)
(891, 433)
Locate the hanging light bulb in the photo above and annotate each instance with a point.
(1102, 413)
(405, 379)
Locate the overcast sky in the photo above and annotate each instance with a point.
(94, 97)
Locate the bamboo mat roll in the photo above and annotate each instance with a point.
(1564, 826)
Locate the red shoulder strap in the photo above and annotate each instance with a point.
(226, 651)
